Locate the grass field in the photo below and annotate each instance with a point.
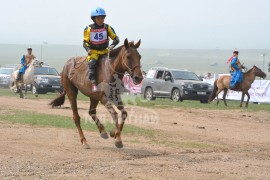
(137, 100)
(32, 118)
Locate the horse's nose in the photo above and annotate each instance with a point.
(138, 79)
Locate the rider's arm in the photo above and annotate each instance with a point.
(86, 39)
(23, 60)
(234, 63)
(113, 36)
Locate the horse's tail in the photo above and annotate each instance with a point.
(59, 101)
(213, 94)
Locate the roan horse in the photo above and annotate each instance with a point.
(123, 59)
(223, 84)
(28, 77)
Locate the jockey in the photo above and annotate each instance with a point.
(236, 67)
(25, 62)
(96, 41)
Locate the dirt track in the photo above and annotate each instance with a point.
(238, 147)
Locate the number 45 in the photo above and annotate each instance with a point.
(98, 36)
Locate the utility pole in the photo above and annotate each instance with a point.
(263, 55)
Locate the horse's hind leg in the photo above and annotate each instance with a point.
(224, 96)
(92, 113)
(247, 99)
(117, 132)
(72, 92)
(217, 95)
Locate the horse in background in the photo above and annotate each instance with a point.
(223, 84)
(74, 78)
(28, 77)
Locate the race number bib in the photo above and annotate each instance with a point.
(98, 36)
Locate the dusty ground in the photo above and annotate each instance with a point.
(237, 147)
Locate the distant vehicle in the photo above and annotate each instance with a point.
(46, 79)
(175, 84)
(5, 73)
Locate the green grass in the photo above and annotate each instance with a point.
(8, 92)
(32, 118)
(167, 103)
(137, 100)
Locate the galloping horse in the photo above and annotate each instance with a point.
(223, 84)
(28, 77)
(123, 59)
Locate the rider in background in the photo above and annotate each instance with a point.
(96, 41)
(25, 62)
(236, 67)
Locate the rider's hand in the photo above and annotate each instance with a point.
(111, 47)
(89, 52)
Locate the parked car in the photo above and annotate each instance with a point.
(176, 84)
(5, 73)
(46, 79)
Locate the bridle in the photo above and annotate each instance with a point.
(130, 70)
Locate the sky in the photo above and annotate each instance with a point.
(170, 24)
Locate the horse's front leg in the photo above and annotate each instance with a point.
(242, 99)
(120, 106)
(115, 133)
(25, 91)
(247, 99)
(21, 93)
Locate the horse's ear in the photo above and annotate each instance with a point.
(126, 44)
(137, 45)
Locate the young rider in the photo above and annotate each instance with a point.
(236, 68)
(25, 61)
(96, 41)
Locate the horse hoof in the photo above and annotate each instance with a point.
(118, 144)
(86, 146)
(104, 135)
(112, 133)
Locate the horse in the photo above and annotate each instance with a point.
(223, 84)
(75, 75)
(28, 77)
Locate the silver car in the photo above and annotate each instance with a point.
(5, 73)
(176, 84)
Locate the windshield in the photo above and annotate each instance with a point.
(185, 75)
(46, 71)
(6, 71)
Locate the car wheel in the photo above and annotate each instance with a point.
(148, 94)
(204, 101)
(176, 95)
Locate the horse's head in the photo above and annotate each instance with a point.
(258, 72)
(132, 61)
(37, 63)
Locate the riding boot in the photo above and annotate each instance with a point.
(92, 74)
(19, 77)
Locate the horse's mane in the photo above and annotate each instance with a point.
(248, 71)
(116, 51)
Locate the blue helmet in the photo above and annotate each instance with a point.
(98, 11)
